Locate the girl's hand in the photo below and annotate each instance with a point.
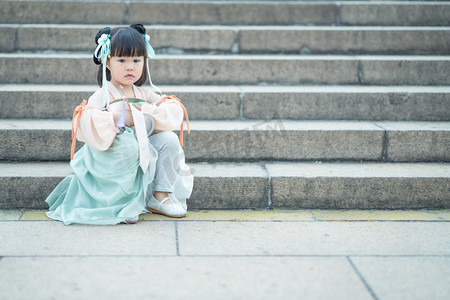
(116, 109)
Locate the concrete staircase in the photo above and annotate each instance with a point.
(335, 105)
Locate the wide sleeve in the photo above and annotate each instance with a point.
(168, 115)
(96, 127)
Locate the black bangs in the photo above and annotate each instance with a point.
(127, 41)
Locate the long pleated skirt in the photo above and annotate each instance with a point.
(107, 187)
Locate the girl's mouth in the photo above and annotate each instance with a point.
(129, 76)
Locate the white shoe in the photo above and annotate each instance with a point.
(174, 210)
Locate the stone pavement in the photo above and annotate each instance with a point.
(307, 254)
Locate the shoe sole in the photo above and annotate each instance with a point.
(161, 213)
(128, 222)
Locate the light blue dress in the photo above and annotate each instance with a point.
(107, 187)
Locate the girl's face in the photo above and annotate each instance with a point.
(125, 70)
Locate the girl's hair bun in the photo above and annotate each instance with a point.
(105, 30)
(139, 27)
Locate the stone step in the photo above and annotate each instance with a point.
(72, 68)
(241, 39)
(395, 13)
(395, 103)
(403, 13)
(267, 185)
(345, 40)
(257, 140)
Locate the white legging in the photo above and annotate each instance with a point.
(170, 152)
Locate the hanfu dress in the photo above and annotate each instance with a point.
(109, 183)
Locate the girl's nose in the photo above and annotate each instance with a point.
(130, 66)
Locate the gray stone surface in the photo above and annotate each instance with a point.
(245, 186)
(256, 140)
(313, 238)
(208, 103)
(27, 185)
(403, 14)
(8, 34)
(261, 39)
(253, 260)
(212, 188)
(216, 140)
(176, 259)
(48, 68)
(353, 102)
(347, 103)
(283, 140)
(406, 277)
(392, 40)
(226, 277)
(44, 238)
(58, 101)
(417, 141)
(186, 69)
(219, 186)
(259, 13)
(27, 192)
(9, 215)
(222, 12)
(291, 27)
(81, 37)
(56, 38)
(40, 104)
(405, 70)
(29, 12)
(39, 140)
(193, 38)
(35, 169)
(362, 186)
(244, 69)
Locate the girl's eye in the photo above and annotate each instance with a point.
(136, 61)
(122, 60)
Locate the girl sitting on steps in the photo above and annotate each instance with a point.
(131, 162)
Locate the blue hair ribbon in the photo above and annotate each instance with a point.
(150, 51)
(150, 54)
(102, 52)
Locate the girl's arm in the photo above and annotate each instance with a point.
(168, 115)
(97, 128)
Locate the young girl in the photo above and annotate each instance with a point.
(131, 162)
